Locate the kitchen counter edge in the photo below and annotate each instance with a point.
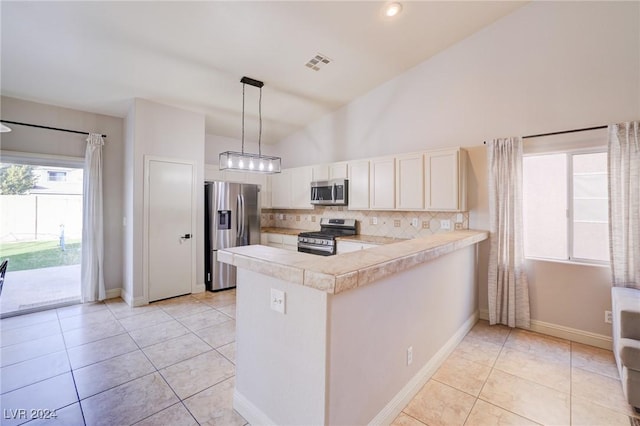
(342, 272)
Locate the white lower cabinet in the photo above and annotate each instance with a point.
(287, 242)
(349, 246)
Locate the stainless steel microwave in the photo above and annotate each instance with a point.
(334, 192)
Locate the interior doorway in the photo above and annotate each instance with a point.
(40, 234)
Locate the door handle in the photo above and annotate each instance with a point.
(186, 236)
(242, 212)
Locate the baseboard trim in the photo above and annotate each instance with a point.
(250, 412)
(198, 288)
(388, 414)
(133, 301)
(573, 334)
(113, 293)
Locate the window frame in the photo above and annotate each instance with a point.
(569, 154)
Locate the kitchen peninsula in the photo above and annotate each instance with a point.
(359, 333)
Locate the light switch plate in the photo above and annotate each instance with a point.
(278, 300)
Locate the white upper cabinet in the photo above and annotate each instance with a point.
(432, 181)
(445, 180)
(301, 188)
(281, 190)
(265, 193)
(319, 172)
(410, 182)
(338, 171)
(291, 189)
(382, 187)
(358, 185)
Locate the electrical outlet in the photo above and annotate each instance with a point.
(374, 220)
(445, 224)
(409, 355)
(608, 318)
(414, 222)
(278, 300)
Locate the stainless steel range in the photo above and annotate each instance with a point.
(323, 242)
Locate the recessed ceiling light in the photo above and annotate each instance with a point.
(392, 9)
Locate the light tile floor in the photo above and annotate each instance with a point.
(172, 363)
(168, 363)
(500, 376)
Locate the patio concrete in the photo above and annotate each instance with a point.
(35, 289)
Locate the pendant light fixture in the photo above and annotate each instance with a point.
(244, 161)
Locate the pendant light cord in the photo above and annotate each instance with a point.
(260, 125)
(243, 85)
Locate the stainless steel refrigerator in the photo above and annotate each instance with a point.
(232, 218)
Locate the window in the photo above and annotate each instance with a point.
(565, 203)
(57, 176)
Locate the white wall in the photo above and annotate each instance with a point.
(49, 142)
(548, 66)
(163, 131)
(281, 359)
(372, 326)
(341, 359)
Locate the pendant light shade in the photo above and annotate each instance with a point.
(244, 161)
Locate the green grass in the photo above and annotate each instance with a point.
(39, 254)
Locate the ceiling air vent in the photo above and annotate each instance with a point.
(317, 62)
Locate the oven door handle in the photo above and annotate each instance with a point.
(328, 249)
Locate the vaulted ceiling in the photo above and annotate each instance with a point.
(97, 56)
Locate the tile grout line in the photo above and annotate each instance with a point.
(72, 370)
(570, 382)
(73, 376)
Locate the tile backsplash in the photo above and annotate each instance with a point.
(379, 222)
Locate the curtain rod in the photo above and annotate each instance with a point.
(562, 132)
(48, 128)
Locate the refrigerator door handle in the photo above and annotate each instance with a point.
(244, 217)
(238, 216)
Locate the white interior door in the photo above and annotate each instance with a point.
(170, 247)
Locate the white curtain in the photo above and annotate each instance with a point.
(92, 233)
(624, 203)
(508, 287)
